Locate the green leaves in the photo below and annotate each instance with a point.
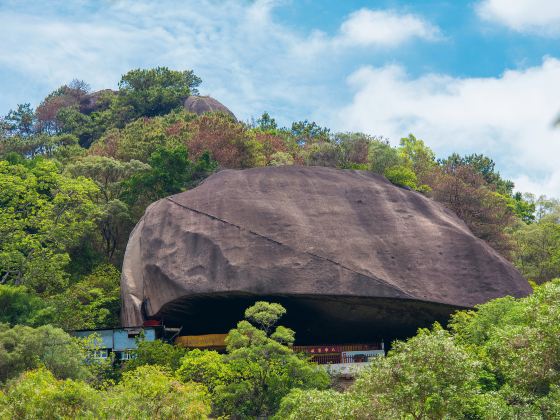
(537, 254)
(263, 368)
(499, 361)
(401, 176)
(42, 215)
(156, 91)
(265, 314)
(151, 392)
(92, 302)
(23, 348)
(148, 392)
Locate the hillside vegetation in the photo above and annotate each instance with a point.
(77, 173)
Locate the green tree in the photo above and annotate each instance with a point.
(42, 215)
(382, 156)
(429, 376)
(150, 392)
(169, 173)
(20, 122)
(518, 342)
(306, 132)
(401, 176)
(23, 348)
(206, 367)
(92, 302)
(266, 122)
(115, 220)
(265, 367)
(156, 353)
(318, 405)
(156, 91)
(138, 139)
(419, 157)
(537, 254)
(20, 306)
(38, 394)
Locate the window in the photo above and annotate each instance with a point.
(128, 355)
(100, 354)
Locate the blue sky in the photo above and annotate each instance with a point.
(465, 76)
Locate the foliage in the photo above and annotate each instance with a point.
(20, 306)
(19, 122)
(419, 157)
(66, 96)
(427, 377)
(142, 137)
(354, 149)
(464, 191)
(229, 142)
(168, 174)
(401, 176)
(37, 394)
(23, 348)
(157, 91)
(537, 253)
(206, 367)
(266, 122)
(498, 361)
(150, 392)
(42, 214)
(156, 353)
(382, 156)
(265, 314)
(323, 154)
(305, 133)
(318, 405)
(264, 367)
(93, 302)
(484, 166)
(518, 341)
(281, 159)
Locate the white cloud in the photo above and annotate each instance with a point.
(366, 28)
(384, 28)
(509, 118)
(535, 16)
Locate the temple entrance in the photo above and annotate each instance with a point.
(316, 320)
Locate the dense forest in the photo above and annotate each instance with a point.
(77, 173)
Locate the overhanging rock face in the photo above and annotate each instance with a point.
(339, 239)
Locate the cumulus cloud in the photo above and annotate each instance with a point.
(509, 117)
(535, 16)
(384, 28)
(373, 29)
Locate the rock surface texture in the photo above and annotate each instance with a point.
(202, 104)
(340, 242)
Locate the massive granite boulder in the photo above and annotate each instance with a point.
(202, 104)
(352, 256)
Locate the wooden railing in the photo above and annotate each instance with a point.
(337, 353)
